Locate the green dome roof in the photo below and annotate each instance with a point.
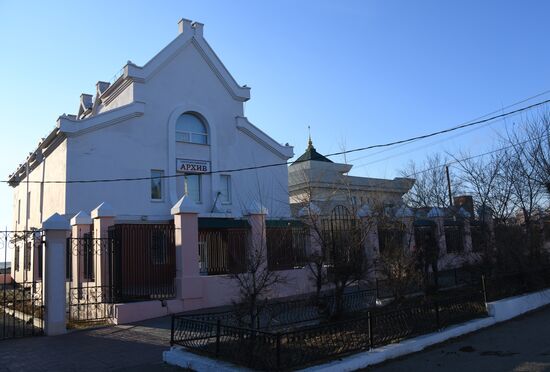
(312, 154)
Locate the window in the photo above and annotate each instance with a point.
(189, 128)
(28, 205)
(39, 260)
(225, 196)
(27, 256)
(19, 211)
(16, 258)
(192, 186)
(156, 184)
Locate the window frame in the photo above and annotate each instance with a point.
(27, 254)
(161, 179)
(190, 134)
(199, 176)
(228, 188)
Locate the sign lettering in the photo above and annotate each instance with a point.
(192, 166)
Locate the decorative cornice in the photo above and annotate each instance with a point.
(113, 94)
(73, 128)
(284, 152)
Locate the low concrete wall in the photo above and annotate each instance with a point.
(221, 290)
(137, 311)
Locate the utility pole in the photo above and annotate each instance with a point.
(449, 185)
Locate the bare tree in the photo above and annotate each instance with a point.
(255, 282)
(397, 262)
(536, 146)
(430, 188)
(490, 181)
(337, 258)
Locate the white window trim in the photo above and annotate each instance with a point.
(191, 142)
(162, 187)
(230, 198)
(200, 185)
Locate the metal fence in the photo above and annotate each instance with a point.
(454, 238)
(286, 247)
(144, 261)
(514, 284)
(21, 290)
(270, 350)
(282, 314)
(446, 279)
(222, 251)
(90, 290)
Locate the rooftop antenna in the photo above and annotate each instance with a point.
(309, 142)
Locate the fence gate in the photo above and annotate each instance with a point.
(89, 270)
(340, 233)
(21, 300)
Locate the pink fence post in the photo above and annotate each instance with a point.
(103, 217)
(370, 224)
(81, 225)
(486, 218)
(406, 215)
(310, 215)
(256, 218)
(438, 215)
(55, 228)
(188, 281)
(465, 215)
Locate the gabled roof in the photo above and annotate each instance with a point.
(312, 154)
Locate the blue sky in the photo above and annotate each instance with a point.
(358, 72)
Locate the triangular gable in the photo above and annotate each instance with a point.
(190, 33)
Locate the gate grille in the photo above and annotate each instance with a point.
(90, 295)
(21, 305)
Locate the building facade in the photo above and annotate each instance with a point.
(176, 124)
(313, 178)
(179, 115)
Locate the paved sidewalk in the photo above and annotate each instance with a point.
(135, 347)
(521, 344)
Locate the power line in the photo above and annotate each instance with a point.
(433, 134)
(388, 144)
(414, 174)
(466, 122)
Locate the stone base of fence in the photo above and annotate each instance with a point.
(137, 311)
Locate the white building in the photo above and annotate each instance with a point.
(313, 178)
(179, 114)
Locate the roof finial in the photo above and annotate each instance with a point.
(309, 142)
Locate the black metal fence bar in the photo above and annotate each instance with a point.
(286, 247)
(21, 300)
(282, 314)
(90, 290)
(222, 251)
(514, 284)
(144, 261)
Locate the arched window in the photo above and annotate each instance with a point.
(189, 128)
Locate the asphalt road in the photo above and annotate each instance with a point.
(522, 344)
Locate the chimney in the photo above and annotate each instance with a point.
(101, 87)
(184, 26)
(466, 202)
(198, 27)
